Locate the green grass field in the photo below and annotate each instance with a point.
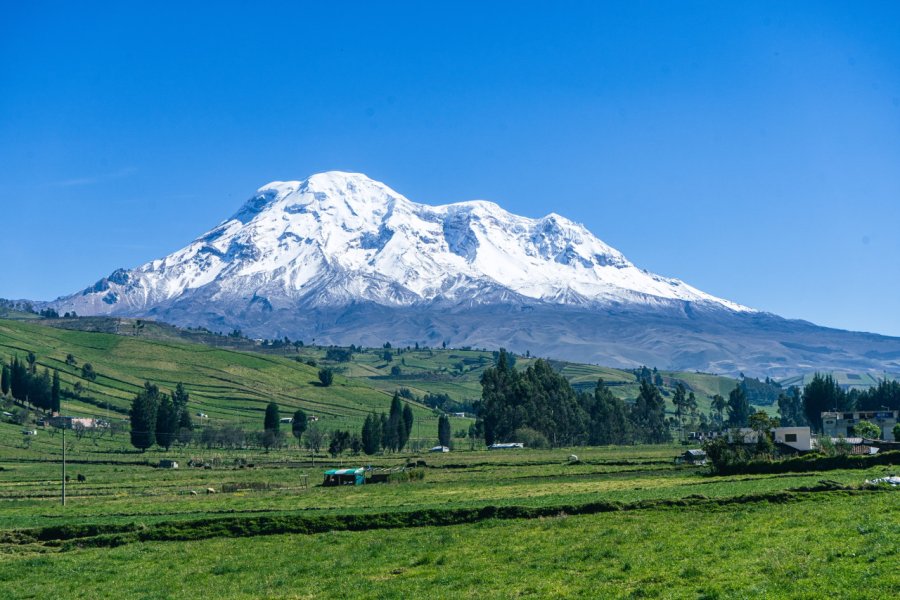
(672, 531)
(618, 522)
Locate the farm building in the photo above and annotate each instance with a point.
(335, 477)
(439, 449)
(168, 464)
(692, 457)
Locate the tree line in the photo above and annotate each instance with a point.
(160, 418)
(22, 381)
(540, 405)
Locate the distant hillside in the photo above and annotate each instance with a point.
(232, 378)
(224, 384)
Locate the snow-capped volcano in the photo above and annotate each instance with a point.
(343, 259)
(338, 238)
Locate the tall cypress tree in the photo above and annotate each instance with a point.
(648, 415)
(444, 432)
(272, 421)
(408, 419)
(4, 379)
(298, 424)
(54, 392)
(166, 422)
(738, 408)
(143, 413)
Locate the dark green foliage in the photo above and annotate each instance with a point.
(804, 464)
(5, 376)
(180, 399)
(820, 395)
(718, 404)
(540, 399)
(166, 422)
(54, 392)
(384, 432)
(143, 413)
(40, 389)
(868, 430)
(298, 424)
(340, 441)
(87, 372)
(608, 417)
(326, 377)
(648, 416)
(738, 408)
(338, 355)
(272, 420)
(760, 393)
(408, 420)
(790, 408)
(371, 434)
(444, 432)
(885, 394)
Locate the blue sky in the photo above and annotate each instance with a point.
(751, 149)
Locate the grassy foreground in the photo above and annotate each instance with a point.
(832, 546)
(621, 522)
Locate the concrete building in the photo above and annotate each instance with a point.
(798, 438)
(837, 424)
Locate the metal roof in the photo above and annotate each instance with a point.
(358, 471)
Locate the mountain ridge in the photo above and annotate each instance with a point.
(307, 258)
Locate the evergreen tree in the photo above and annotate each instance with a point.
(32, 363)
(166, 422)
(718, 405)
(648, 415)
(408, 419)
(608, 417)
(385, 433)
(444, 432)
(298, 424)
(790, 408)
(180, 399)
(823, 394)
(326, 377)
(371, 435)
(5, 376)
(738, 408)
(272, 421)
(40, 390)
(396, 424)
(18, 380)
(54, 392)
(143, 413)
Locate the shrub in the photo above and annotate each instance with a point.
(530, 437)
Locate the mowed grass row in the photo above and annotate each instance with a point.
(829, 545)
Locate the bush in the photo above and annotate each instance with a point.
(530, 437)
(326, 376)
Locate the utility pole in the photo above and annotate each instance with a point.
(63, 466)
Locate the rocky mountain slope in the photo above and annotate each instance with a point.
(344, 259)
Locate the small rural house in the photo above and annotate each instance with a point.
(692, 457)
(335, 477)
(795, 438)
(168, 464)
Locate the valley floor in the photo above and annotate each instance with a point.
(623, 522)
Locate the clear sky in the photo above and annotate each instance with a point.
(749, 148)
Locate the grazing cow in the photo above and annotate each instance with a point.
(210, 491)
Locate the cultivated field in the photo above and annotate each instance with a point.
(620, 522)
